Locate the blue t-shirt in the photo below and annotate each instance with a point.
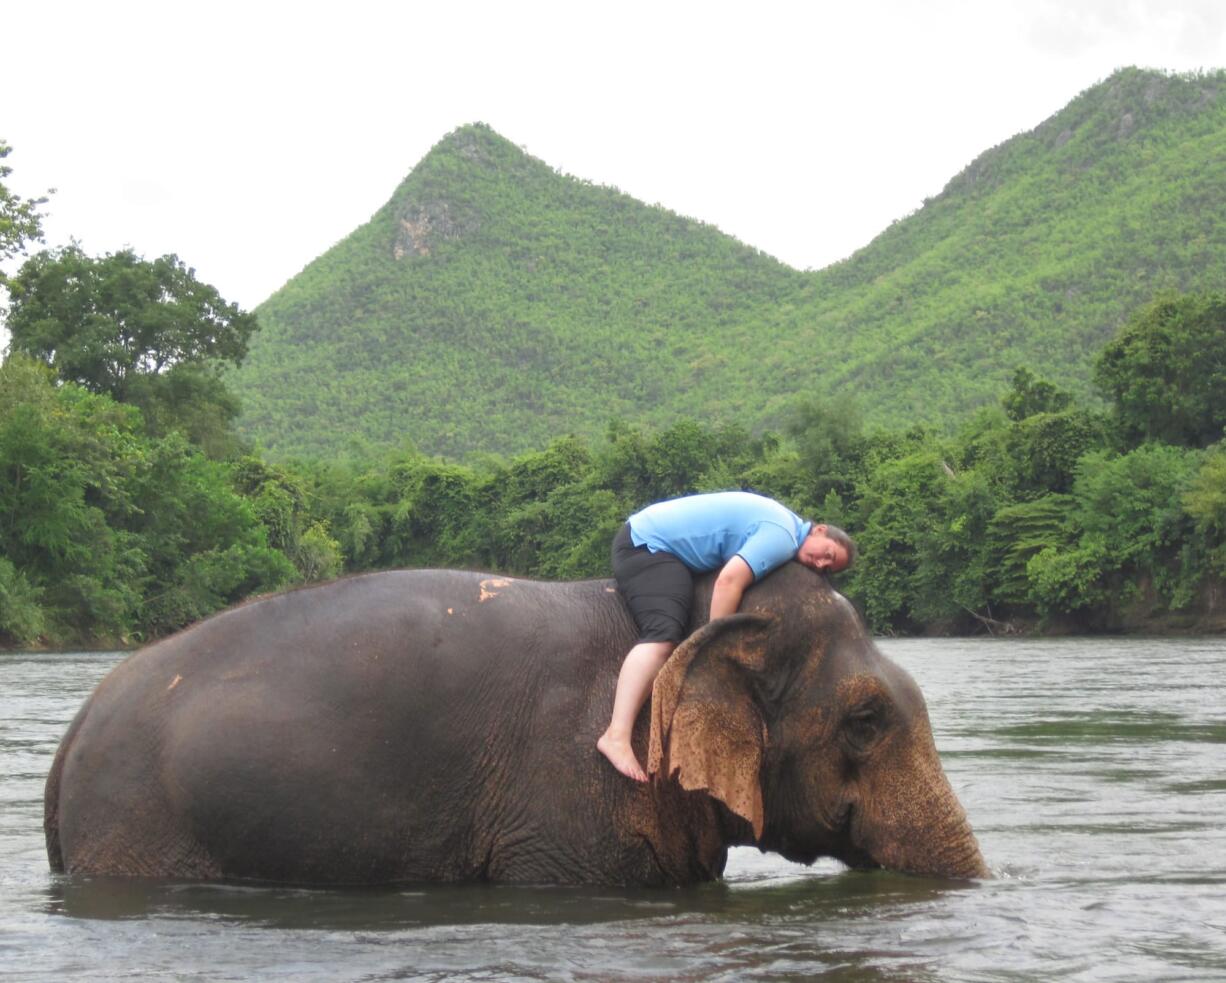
(706, 531)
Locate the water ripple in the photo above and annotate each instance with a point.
(1091, 770)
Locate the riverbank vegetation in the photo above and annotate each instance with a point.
(118, 524)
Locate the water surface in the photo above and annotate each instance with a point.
(1094, 772)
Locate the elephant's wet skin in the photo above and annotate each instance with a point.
(440, 726)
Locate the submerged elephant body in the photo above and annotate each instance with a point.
(441, 726)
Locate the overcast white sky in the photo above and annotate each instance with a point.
(249, 137)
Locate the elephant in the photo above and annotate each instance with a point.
(439, 726)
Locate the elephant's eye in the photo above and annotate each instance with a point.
(863, 725)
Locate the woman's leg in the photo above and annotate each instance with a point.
(638, 672)
(658, 589)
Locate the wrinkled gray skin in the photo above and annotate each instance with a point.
(441, 726)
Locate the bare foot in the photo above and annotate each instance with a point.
(622, 756)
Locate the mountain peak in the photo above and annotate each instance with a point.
(447, 196)
(468, 145)
(1127, 103)
(476, 142)
(1123, 106)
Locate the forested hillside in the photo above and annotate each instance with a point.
(1037, 253)
(494, 303)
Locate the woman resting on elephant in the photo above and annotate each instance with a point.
(414, 726)
(744, 536)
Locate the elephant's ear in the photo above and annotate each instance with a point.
(706, 729)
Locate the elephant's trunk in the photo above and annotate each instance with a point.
(919, 827)
(956, 855)
(947, 848)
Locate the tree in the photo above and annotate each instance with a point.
(279, 498)
(1205, 502)
(194, 400)
(105, 323)
(829, 438)
(1042, 450)
(20, 221)
(1030, 395)
(1166, 372)
(107, 533)
(1126, 532)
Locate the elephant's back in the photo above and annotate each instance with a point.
(379, 613)
(261, 737)
(375, 647)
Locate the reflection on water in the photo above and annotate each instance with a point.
(1091, 769)
(432, 905)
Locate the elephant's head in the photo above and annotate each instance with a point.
(791, 717)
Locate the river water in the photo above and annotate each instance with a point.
(1094, 772)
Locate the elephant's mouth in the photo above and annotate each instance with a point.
(847, 850)
(835, 839)
(857, 859)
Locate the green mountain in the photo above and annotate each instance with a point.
(494, 303)
(1038, 251)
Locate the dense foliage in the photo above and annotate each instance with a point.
(1038, 511)
(125, 509)
(145, 332)
(108, 533)
(1166, 372)
(103, 322)
(494, 303)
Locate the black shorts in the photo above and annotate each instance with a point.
(657, 587)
